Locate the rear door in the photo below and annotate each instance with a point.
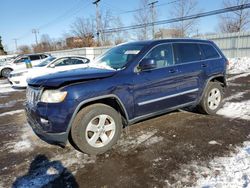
(35, 59)
(188, 59)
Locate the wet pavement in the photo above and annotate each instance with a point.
(151, 153)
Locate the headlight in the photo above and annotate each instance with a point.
(53, 96)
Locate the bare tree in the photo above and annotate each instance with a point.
(119, 36)
(181, 9)
(143, 17)
(236, 21)
(84, 29)
(45, 44)
(24, 49)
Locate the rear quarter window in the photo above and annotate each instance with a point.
(186, 52)
(209, 51)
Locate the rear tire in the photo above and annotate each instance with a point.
(212, 99)
(6, 72)
(96, 129)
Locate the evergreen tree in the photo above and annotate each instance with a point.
(2, 52)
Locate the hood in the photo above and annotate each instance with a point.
(58, 79)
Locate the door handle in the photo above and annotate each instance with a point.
(203, 65)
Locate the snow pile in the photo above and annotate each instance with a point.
(239, 65)
(234, 110)
(233, 171)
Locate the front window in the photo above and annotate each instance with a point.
(45, 62)
(118, 57)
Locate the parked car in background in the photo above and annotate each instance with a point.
(50, 65)
(19, 63)
(90, 106)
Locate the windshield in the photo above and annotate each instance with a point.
(118, 57)
(45, 62)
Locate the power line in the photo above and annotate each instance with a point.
(195, 16)
(136, 10)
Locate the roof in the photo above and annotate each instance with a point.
(154, 42)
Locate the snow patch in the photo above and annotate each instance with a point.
(153, 140)
(234, 110)
(213, 142)
(238, 76)
(235, 96)
(239, 65)
(132, 142)
(233, 171)
(24, 142)
(11, 112)
(10, 103)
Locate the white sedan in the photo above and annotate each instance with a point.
(18, 78)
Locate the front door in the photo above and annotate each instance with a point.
(156, 90)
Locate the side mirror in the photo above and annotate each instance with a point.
(52, 66)
(147, 64)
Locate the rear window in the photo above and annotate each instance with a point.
(209, 51)
(186, 52)
(34, 57)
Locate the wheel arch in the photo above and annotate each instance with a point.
(216, 78)
(110, 100)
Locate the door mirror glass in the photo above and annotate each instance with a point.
(147, 64)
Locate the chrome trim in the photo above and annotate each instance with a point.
(167, 97)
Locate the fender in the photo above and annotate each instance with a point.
(95, 99)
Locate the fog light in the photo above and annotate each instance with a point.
(44, 121)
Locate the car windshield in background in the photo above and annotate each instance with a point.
(118, 57)
(46, 62)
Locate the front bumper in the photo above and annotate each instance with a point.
(18, 81)
(51, 138)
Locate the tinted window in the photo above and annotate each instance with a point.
(62, 62)
(162, 55)
(77, 61)
(34, 57)
(21, 60)
(186, 52)
(43, 56)
(209, 51)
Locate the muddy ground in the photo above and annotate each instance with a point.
(149, 154)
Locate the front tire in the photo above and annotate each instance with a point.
(96, 129)
(212, 99)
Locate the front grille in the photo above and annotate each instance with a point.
(32, 95)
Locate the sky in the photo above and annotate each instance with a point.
(54, 17)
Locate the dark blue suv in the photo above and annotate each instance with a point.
(129, 83)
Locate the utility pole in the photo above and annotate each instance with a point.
(152, 8)
(16, 43)
(35, 31)
(97, 21)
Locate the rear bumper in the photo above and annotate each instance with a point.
(51, 138)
